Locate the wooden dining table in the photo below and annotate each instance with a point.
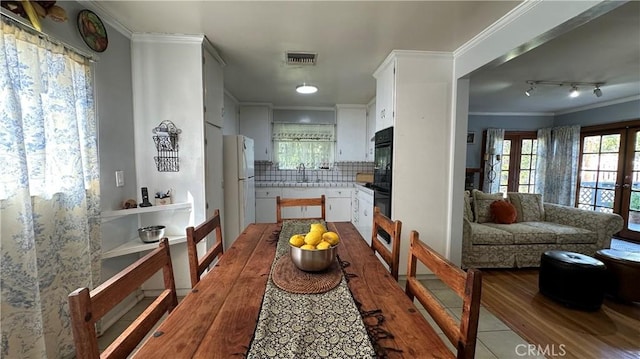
(218, 318)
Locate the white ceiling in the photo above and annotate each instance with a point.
(353, 38)
(605, 49)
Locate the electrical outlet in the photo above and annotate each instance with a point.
(119, 178)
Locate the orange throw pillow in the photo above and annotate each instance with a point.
(503, 212)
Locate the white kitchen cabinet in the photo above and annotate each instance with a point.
(371, 131)
(385, 92)
(364, 216)
(338, 204)
(213, 115)
(266, 204)
(213, 88)
(302, 211)
(255, 123)
(351, 142)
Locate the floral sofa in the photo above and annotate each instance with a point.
(538, 227)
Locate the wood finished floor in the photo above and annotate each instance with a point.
(611, 332)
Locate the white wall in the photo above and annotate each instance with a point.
(231, 119)
(422, 140)
(167, 85)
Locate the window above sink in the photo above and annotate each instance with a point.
(310, 144)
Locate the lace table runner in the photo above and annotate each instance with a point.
(325, 325)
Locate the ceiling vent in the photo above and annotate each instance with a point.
(301, 58)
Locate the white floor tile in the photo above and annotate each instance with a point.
(506, 344)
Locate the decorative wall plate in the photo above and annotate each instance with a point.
(92, 30)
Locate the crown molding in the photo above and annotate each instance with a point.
(600, 104)
(304, 108)
(564, 112)
(507, 19)
(551, 114)
(167, 38)
(410, 53)
(268, 104)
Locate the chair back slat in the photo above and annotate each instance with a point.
(141, 326)
(197, 266)
(87, 307)
(468, 286)
(394, 229)
(300, 202)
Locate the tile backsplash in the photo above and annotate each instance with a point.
(341, 172)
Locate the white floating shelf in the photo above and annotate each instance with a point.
(136, 245)
(111, 215)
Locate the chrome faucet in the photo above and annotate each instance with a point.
(301, 168)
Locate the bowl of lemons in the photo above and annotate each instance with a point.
(315, 250)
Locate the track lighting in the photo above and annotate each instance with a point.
(573, 92)
(597, 91)
(530, 91)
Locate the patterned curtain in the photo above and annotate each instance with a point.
(561, 170)
(492, 160)
(49, 192)
(544, 145)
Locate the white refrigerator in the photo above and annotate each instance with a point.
(239, 186)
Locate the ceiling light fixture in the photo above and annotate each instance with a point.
(306, 89)
(574, 92)
(597, 91)
(530, 91)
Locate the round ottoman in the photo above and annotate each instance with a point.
(573, 279)
(623, 269)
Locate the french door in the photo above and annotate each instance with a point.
(609, 178)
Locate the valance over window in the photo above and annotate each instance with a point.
(303, 132)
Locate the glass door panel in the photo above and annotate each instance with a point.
(599, 172)
(630, 209)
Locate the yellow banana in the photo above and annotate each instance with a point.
(31, 13)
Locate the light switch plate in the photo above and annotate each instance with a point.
(119, 178)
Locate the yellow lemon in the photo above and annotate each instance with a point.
(308, 247)
(317, 227)
(331, 237)
(297, 240)
(323, 245)
(313, 238)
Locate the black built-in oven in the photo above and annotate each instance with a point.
(382, 171)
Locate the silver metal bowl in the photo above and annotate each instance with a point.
(313, 260)
(151, 234)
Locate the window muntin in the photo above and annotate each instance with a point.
(599, 171)
(518, 162)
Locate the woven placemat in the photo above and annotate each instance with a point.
(288, 277)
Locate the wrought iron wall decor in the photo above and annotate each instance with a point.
(166, 141)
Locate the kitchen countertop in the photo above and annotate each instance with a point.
(361, 186)
(303, 184)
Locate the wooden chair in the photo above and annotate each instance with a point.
(393, 228)
(467, 286)
(298, 202)
(87, 307)
(194, 236)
